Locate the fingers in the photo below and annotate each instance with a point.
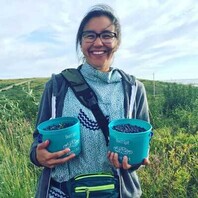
(125, 164)
(113, 158)
(116, 162)
(54, 162)
(146, 161)
(43, 145)
(58, 154)
(50, 160)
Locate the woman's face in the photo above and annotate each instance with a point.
(99, 53)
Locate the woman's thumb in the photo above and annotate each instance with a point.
(43, 145)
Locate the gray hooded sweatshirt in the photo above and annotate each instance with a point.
(135, 106)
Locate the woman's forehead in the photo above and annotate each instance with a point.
(99, 24)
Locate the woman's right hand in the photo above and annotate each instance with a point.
(50, 160)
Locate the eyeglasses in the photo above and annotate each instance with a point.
(105, 36)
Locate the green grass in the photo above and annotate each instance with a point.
(173, 172)
(174, 165)
(17, 176)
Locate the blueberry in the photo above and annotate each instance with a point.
(58, 126)
(128, 128)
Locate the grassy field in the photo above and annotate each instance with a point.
(173, 172)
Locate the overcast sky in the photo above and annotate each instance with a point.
(159, 37)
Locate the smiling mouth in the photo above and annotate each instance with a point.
(98, 52)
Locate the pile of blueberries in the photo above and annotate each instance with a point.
(58, 126)
(128, 128)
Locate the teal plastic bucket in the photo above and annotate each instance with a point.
(133, 145)
(68, 137)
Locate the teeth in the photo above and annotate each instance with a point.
(98, 52)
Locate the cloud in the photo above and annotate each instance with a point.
(36, 36)
(162, 33)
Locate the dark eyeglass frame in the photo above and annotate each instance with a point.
(110, 40)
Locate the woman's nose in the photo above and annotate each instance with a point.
(98, 41)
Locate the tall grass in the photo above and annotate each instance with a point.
(174, 166)
(173, 172)
(17, 175)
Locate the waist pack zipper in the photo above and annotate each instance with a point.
(87, 190)
(94, 175)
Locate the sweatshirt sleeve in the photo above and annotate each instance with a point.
(44, 113)
(141, 109)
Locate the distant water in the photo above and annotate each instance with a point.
(193, 82)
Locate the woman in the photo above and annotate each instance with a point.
(98, 38)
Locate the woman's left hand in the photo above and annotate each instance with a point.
(113, 157)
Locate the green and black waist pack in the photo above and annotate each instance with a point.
(101, 185)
